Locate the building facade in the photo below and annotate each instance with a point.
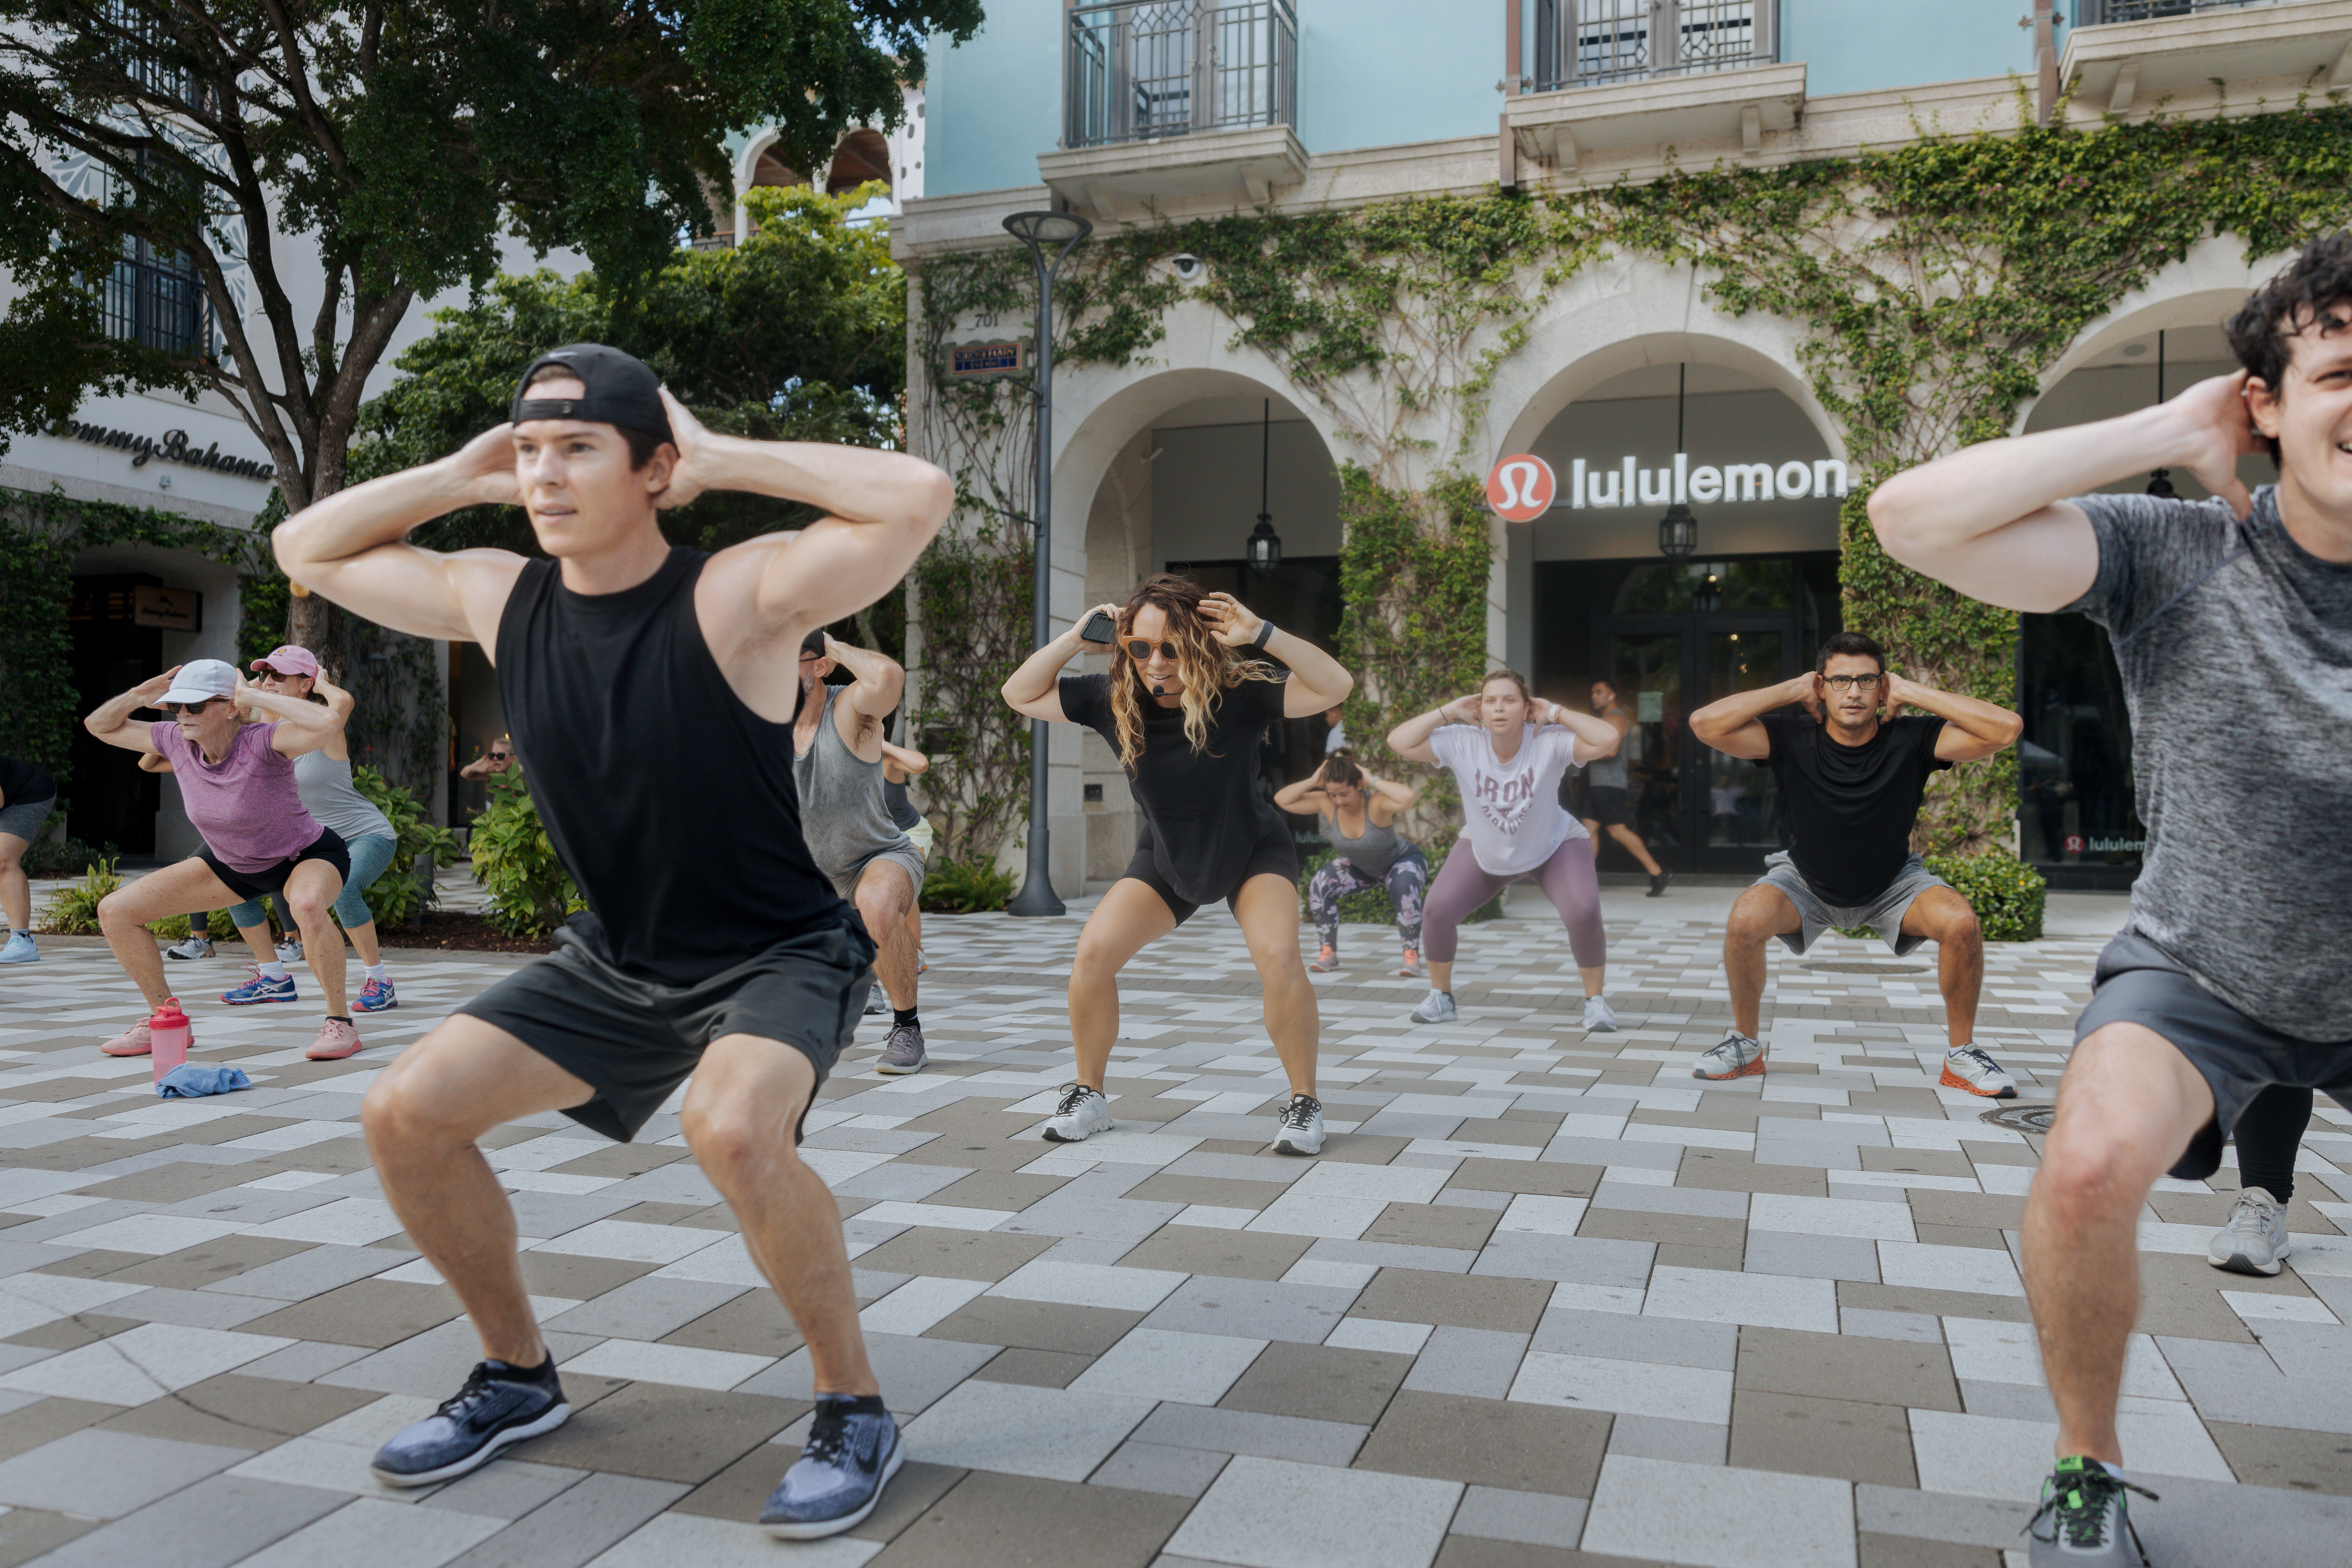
(1638, 390)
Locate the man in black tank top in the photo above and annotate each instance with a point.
(642, 681)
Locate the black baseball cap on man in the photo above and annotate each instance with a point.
(622, 391)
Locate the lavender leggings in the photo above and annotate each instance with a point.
(1567, 879)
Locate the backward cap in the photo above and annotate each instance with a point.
(622, 390)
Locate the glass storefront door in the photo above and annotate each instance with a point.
(1743, 798)
(1646, 667)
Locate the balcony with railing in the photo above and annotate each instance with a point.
(1593, 42)
(1174, 98)
(1617, 75)
(2124, 56)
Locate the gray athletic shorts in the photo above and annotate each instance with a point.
(2138, 982)
(1882, 914)
(634, 1041)
(903, 854)
(23, 817)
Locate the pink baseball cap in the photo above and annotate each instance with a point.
(289, 660)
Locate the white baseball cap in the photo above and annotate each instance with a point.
(202, 678)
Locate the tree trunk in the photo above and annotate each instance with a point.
(310, 622)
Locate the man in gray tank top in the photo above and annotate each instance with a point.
(837, 770)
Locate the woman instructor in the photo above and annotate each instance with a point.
(1184, 707)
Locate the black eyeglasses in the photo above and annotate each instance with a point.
(190, 706)
(1853, 682)
(1139, 649)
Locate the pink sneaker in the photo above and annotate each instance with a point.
(132, 1042)
(337, 1039)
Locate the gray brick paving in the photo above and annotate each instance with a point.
(1538, 1281)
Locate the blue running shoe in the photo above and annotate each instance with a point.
(260, 988)
(499, 1406)
(375, 996)
(19, 949)
(853, 1451)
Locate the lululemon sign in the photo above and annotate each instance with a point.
(1520, 489)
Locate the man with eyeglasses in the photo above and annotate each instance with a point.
(837, 769)
(1852, 773)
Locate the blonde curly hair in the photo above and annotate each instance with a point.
(1207, 667)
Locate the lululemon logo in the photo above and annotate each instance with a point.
(1520, 488)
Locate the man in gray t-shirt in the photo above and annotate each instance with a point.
(2232, 620)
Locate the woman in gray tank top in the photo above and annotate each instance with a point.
(323, 778)
(1359, 814)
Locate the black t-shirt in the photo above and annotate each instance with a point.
(21, 783)
(1202, 812)
(1848, 810)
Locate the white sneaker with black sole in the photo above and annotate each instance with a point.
(2252, 1240)
(1302, 1127)
(1082, 1113)
(191, 947)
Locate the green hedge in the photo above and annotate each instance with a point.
(531, 893)
(2007, 894)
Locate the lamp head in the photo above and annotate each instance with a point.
(1050, 229)
(1265, 548)
(1677, 532)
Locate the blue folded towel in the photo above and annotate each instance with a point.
(190, 1080)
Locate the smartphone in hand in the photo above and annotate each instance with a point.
(1099, 628)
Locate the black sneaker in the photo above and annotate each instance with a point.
(1658, 884)
(2081, 1523)
(853, 1451)
(499, 1406)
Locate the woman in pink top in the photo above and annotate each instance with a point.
(236, 781)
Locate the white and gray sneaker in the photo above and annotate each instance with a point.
(1970, 1067)
(1437, 1007)
(196, 946)
(290, 949)
(903, 1051)
(1599, 1019)
(2252, 1240)
(1733, 1056)
(1082, 1113)
(1302, 1127)
(877, 1001)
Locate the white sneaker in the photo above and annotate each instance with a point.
(290, 951)
(1437, 1007)
(19, 949)
(877, 1002)
(1599, 1019)
(1082, 1113)
(196, 946)
(1302, 1127)
(1733, 1056)
(1969, 1068)
(2253, 1239)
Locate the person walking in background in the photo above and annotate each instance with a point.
(1607, 796)
(1359, 814)
(27, 795)
(1509, 751)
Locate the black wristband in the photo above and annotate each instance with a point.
(1265, 635)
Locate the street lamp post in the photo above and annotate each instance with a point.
(1049, 236)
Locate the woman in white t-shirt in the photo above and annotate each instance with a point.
(1509, 751)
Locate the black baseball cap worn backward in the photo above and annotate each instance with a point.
(621, 391)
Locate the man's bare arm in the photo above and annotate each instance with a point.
(1732, 726)
(1991, 519)
(1973, 728)
(348, 548)
(881, 680)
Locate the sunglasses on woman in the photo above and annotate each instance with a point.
(1139, 649)
(190, 708)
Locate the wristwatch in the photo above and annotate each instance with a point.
(1265, 635)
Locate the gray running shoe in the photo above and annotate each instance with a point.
(197, 946)
(1302, 1127)
(2253, 1239)
(1437, 1007)
(1599, 1019)
(877, 1002)
(290, 949)
(903, 1051)
(2082, 1522)
(1082, 1113)
(1733, 1056)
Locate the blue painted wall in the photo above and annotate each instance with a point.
(1377, 73)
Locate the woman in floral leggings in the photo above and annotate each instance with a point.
(1359, 814)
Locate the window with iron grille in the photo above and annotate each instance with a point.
(145, 55)
(2091, 13)
(1591, 43)
(1141, 70)
(153, 299)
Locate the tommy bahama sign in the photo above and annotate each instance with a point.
(1522, 487)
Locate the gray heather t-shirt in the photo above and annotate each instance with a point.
(2235, 645)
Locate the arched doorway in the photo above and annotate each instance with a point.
(1745, 609)
(863, 155)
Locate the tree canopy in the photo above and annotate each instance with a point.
(399, 138)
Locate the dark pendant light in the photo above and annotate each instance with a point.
(1264, 544)
(2159, 483)
(1678, 529)
(1707, 597)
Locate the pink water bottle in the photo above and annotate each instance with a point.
(168, 1031)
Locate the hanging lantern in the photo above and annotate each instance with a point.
(1678, 529)
(1265, 548)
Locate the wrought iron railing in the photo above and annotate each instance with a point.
(1589, 43)
(1146, 68)
(156, 302)
(2091, 13)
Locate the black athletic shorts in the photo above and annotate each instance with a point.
(1274, 853)
(328, 846)
(634, 1041)
(2138, 982)
(1610, 806)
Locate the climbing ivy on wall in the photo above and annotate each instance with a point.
(1936, 281)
